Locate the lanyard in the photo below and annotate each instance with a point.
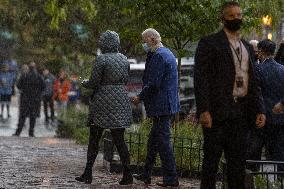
(238, 52)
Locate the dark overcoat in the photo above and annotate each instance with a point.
(31, 86)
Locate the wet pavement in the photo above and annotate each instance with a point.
(47, 162)
(54, 163)
(9, 126)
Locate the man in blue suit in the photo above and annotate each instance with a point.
(271, 80)
(161, 100)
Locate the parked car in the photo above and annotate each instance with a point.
(134, 88)
(187, 99)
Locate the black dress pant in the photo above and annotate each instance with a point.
(118, 139)
(48, 102)
(228, 136)
(272, 138)
(22, 120)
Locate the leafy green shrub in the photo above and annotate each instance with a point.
(187, 144)
(262, 182)
(187, 139)
(72, 124)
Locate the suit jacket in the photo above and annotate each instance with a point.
(271, 80)
(214, 77)
(160, 84)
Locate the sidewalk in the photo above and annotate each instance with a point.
(45, 162)
(9, 126)
(54, 163)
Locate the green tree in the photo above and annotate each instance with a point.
(66, 29)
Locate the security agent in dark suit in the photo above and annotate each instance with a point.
(228, 99)
(271, 78)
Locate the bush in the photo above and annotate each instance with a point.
(262, 182)
(73, 124)
(187, 143)
(187, 139)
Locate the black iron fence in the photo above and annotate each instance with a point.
(261, 175)
(188, 153)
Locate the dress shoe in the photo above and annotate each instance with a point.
(87, 179)
(141, 177)
(16, 134)
(173, 184)
(126, 179)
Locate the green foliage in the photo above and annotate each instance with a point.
(57, 12)
(73, 125)
(187, 142)
(262, 182)
(58, 9)
(43, 28)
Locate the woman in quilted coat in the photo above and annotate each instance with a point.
(110, 106)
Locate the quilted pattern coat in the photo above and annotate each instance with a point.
(110, 106)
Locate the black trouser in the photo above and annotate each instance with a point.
(272, 138)
(118, 140)
(22, 120)
(48, 101)
(228, 136)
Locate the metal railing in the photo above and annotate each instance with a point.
(188, 152)
(261, 174)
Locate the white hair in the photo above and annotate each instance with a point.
(254, 43)
(153, 34)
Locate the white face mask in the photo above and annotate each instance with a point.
(146, 47)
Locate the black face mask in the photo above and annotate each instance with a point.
(233, 25)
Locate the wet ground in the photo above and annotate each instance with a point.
(9, 126)
(48, 162)
(54, 163)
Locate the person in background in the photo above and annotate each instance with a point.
(6, 89)
(24, 70)
(279, 107)
(61, 88)
(270, 76)
(13, 69)
(31, 86)
(47, 94)
(254, 45)
(73, 93)
(279, 57)
(161, 100)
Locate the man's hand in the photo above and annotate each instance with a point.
(205, 120)
(135, 100)
(260, 120)
(278, 108)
